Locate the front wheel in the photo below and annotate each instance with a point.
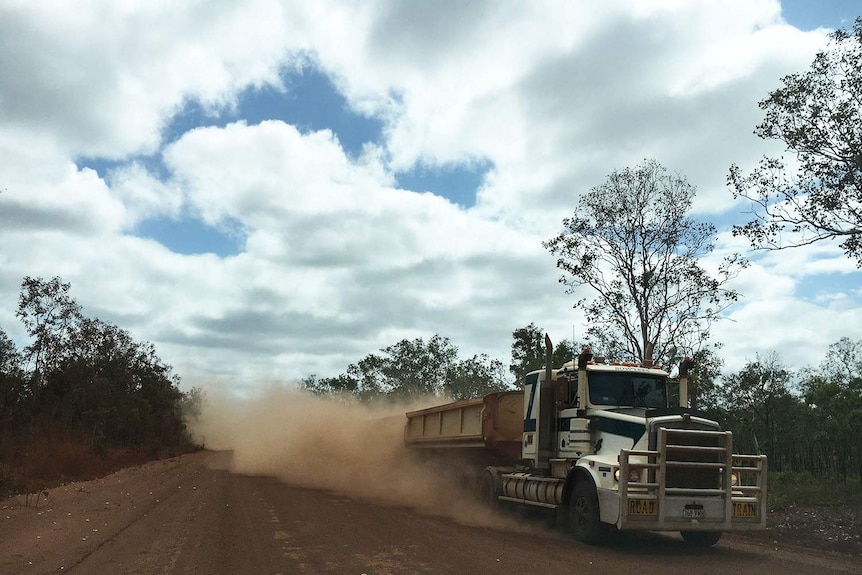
(584, 518)
(701, 538)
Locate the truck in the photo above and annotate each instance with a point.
(598, 443)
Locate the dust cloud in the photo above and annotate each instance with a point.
(338, 445)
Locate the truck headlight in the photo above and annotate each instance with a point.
(634, 475)
(734, 479)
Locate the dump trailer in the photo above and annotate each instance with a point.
(486, 429)
(597, 442)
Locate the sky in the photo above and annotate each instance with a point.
(267, 190)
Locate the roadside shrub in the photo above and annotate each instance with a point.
(787, 489)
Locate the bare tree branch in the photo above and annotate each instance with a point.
(818, 115)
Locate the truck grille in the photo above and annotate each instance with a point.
(681, 475)
(690, 476)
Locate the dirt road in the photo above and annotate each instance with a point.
(190, 515)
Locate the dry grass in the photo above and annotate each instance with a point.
(43, 460)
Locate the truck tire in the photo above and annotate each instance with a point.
(701, 538)
(488, 491)
(584, 514)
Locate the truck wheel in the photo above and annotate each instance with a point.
(701, 538)
(584, 514)
(488, 491)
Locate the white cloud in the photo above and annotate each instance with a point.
(103, 78)
(46, 193)
(798, 331)
(338, 262)
(144, 195)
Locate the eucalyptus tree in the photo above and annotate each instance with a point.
(414, 368)
(50, 315)
(632, 243)
(10, 358)
(89, 375)
(818, 116)
(12, 381)
(833, 393)
(408, 368)
(475, 376)
(528, 351)
(757, 401)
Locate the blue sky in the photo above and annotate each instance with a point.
(311, 102)
(811, 14)
(280, 190)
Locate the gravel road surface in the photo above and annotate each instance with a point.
(190, 515)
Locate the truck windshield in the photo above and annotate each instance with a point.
(628, 389)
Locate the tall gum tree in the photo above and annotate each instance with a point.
(631, 241)
(818, 115)
(49, 313)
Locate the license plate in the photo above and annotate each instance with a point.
(745, 510)
(642, 507)
(692, 513)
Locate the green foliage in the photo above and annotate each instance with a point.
(630, 241)
(414, 368)
(758, 403)
(818, 115)
(49, 314)
(528, 351)
(192, 404)
(788, 488)
(833, 394)
(474, 377)
(86, 376)
(815, 427)
(13, 383)
(703, 378)
(341, 384)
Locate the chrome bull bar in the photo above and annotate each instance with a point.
(692, 481)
